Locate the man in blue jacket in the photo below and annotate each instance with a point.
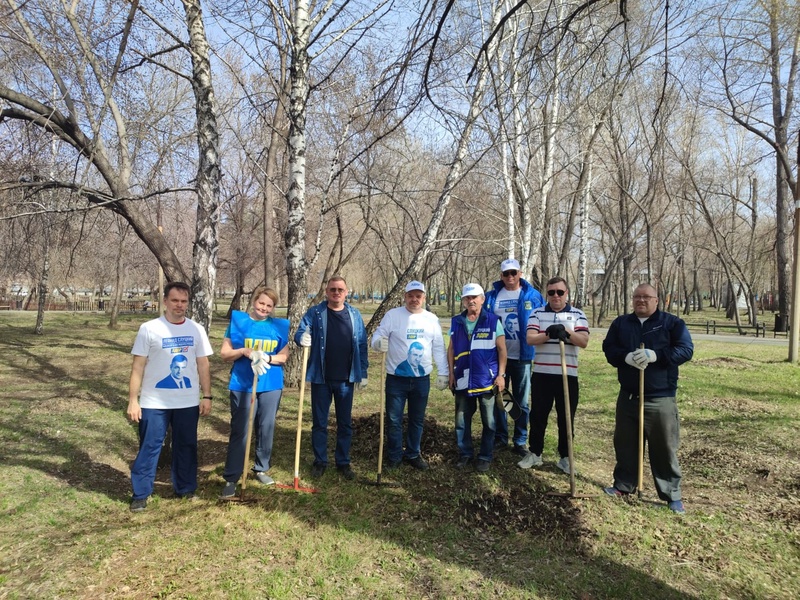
(477, 360)
(334, 332)
(513, 299)
(667, 344)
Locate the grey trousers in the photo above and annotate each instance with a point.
(662, 437)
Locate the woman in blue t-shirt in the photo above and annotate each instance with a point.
(249, 334)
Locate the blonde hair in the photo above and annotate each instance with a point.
(264, 290)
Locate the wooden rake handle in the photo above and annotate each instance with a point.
(641, 430)
(300, 415)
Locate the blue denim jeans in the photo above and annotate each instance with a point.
(465, 408)
(415, 390)
(152, 431)
(341, 392)
(518, 378)
(267, 404)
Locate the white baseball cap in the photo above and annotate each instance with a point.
(472, 289)
(509, 264)
(415, 285)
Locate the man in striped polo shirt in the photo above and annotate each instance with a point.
(554, 322)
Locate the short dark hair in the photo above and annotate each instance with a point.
(178, 358)
(177, 285)
(555, 280)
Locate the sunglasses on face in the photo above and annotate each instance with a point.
(554, 292)
(510, 273)
(337, 290)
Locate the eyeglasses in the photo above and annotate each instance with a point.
(510, 273)
(645, 298)
(337, 290)
(554, 292)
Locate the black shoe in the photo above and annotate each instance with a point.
(138, 505)
(500, 446)
(520, 450)
(188, 496)
(346, 472)
(318, 470)
(417, 462)
(392, 464)
(463, 462)
(482, 466)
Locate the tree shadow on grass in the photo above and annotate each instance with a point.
(500, 524)
(485, 523)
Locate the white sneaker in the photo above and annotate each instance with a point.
(532, 460)
(563, 464)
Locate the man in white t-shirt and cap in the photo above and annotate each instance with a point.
(412, 339)
(513, 299)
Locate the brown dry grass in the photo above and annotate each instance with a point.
(65, 531)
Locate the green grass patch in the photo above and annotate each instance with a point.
(66, 532)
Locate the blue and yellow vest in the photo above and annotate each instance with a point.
(478, 353)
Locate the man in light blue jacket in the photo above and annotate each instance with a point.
(334, 332)
(513, 299)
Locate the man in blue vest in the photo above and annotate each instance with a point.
(477, 359)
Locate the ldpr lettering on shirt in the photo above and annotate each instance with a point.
(263, 345)
(413, 334)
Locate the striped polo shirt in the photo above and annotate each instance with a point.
(548, 355)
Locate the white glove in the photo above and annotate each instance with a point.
(362, 385)
(644, 356)
(629, 358)
(383, 344)
(258, 362)
(442, 381)
(305, 339)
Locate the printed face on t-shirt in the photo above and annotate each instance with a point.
(415, 356)
(177, 367)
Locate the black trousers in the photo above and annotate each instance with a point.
(545, 390)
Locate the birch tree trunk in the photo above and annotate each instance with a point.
(295, 235)
(583, 225)
(206, 243)
(454, 174)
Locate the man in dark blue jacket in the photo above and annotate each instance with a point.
(667, 344)
(334, 332)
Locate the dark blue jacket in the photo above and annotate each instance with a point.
(529, 300)
(475, 357)
(662, 332)
(316, 320)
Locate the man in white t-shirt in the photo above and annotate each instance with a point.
(412, 339)
(170, 363)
